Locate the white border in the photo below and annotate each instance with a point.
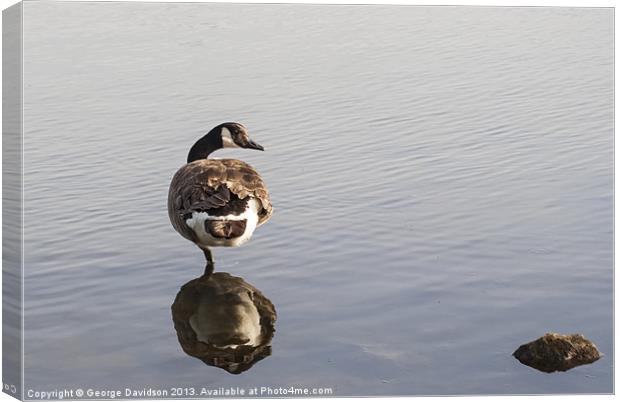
(518, 3)
(509, 3)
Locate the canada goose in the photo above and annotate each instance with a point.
(218, 202)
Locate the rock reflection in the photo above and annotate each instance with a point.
(224, 321)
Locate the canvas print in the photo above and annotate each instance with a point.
(208, 200)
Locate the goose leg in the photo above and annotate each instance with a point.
(210, 264)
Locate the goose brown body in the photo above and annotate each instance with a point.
(207, 184)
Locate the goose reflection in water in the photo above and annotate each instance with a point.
(224, 321)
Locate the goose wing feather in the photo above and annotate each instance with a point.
(202, 198)
(207, 183)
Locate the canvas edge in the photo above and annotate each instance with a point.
(12, 201)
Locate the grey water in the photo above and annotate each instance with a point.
(442, 179)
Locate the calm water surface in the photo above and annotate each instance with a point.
(442, 179)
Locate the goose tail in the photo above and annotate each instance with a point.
(224, 229)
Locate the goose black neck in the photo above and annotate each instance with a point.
(204, 147)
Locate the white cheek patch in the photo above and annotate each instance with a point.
(227, 141)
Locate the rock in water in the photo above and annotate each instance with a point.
(556, 352)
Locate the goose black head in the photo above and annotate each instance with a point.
(235, 135)
(226, 135)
